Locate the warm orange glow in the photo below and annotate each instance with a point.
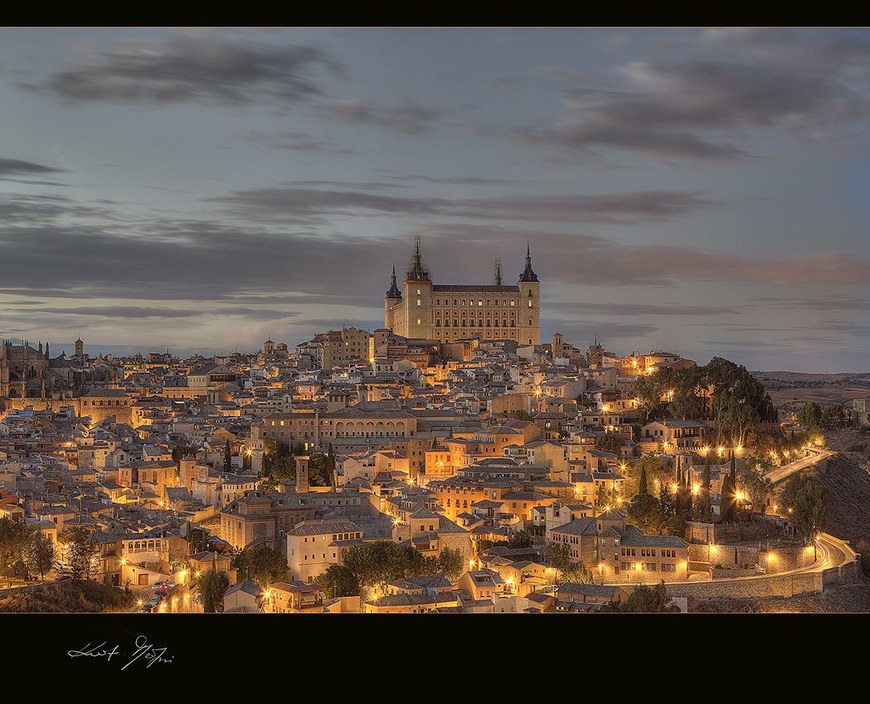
(740, 496)
(714, 549)
(637, 567)
(720, 450)
(674, 488)
(771, 557)
(694, 489)
(706, 449)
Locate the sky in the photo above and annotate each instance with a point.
(702, 191)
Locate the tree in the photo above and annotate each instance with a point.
(645, 599)
(646, 513)
(758, 486)
(833, 416)
(609, 443)
(603, 498)
(212, 586)
(40, 553)
(338, 581)
(577, 572)
(80, 551)
(810, 509)
(558, 556)
(262, 565)
(706, 508)
(228, 457)
(728, 500)
(197, 538)
(14, 538)
(376, 563)
(642, 488)
(520, 415)
(735, 418)
(810, 416)
(182, 450)
(520, 539)
(647, 391)
(452, 562)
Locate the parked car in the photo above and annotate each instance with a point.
(63, 577)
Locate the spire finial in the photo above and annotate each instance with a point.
(417, 272)
(528, 273)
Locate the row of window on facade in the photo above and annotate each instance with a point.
(461, 302)
(495, 324)
(648, 567)
(648, 552)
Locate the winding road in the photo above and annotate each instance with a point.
(777, 474)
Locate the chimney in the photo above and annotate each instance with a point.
(302, 484)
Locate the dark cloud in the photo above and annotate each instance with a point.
(405, 118)
(296, 141)
(292, 204)
(582, 330)
(462, 180)
(595, 260)
(825, 302)
(688, 109)
(17, 167)
(135, 312)
(194, 66)
(632, 309)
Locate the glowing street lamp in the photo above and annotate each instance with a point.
(694, 489)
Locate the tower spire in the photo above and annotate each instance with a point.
(394, 291)
(528, 273)
(498, 271)
(417, 272)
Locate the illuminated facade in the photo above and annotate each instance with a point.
(452, 312)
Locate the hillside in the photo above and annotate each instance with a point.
(66, 597)
(791, 390)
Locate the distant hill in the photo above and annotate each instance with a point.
(791, 390)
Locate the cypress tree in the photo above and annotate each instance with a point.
(641, 483)
(706, 508)
(228, 457)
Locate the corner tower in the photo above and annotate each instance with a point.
(418, 298)
(392, 303)
(530, 304)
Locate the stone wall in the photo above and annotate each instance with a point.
(773, 585)
(716, 533)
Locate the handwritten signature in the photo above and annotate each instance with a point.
(145, 651)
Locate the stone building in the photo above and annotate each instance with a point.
(28, 372)
(450, 312)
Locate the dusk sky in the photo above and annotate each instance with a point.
(701, 191)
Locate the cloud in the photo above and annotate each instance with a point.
(637, 308)
(824, 302)
(17, 167)
(595, 260)
(688, 109)
(406, 118)
(136, 312)
(297, 141)
(586, 330)
(194, 66)
(293, 204)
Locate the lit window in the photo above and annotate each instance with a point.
(418, 291)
